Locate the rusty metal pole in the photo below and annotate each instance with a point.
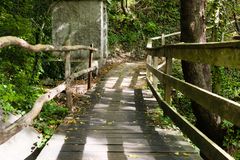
(90, 65)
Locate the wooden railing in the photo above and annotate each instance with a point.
(28, 118)
(164, 36)
(225, 54)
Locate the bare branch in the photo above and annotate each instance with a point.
(10, 40)
(27, 119)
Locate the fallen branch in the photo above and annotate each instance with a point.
(10, 40)
(28, 118)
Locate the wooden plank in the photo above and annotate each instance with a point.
(126, 148)
(124, 156)
(225, 54)
(224, 107)
(207, 146)
(137, 141)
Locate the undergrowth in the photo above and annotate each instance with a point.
(50, 117)
(229, 82)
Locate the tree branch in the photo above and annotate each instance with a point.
(10, 40)
(27, 119)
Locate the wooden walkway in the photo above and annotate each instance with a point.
(116, 126)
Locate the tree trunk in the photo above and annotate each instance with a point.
(124, 7)
(235, 3)
(193, 30)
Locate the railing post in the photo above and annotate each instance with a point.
(163, 39)
(67, 74)
(155, 65)
(90, 65)
(150, 62)
(168, 70)
(149, 45)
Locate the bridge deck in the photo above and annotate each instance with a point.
(116, 126)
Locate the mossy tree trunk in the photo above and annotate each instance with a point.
(193, 30)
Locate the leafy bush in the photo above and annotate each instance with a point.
(232, 139)
(49, 118)
(131, 30)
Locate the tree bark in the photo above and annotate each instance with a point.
(193, 30)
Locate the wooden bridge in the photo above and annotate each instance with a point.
(116, 125)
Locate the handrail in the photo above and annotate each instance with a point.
(11, 40)
(225, 54)
(221, 54)
(28, 118)
(163, 36)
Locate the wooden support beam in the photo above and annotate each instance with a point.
(225, 54)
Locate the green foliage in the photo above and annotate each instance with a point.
(159, 119)
(7, 96)
(230, 86)
(19, 74)
(220, 14)
(232, 139)
(177, 69)
(145, 19)
(49, 118)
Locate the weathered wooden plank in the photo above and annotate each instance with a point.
(126, 136)
(137, 141)
(225, 54)
(224, 107)
(125, 156)
(126, 148)
(165, 136)
(207, 146)
(111, 126)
